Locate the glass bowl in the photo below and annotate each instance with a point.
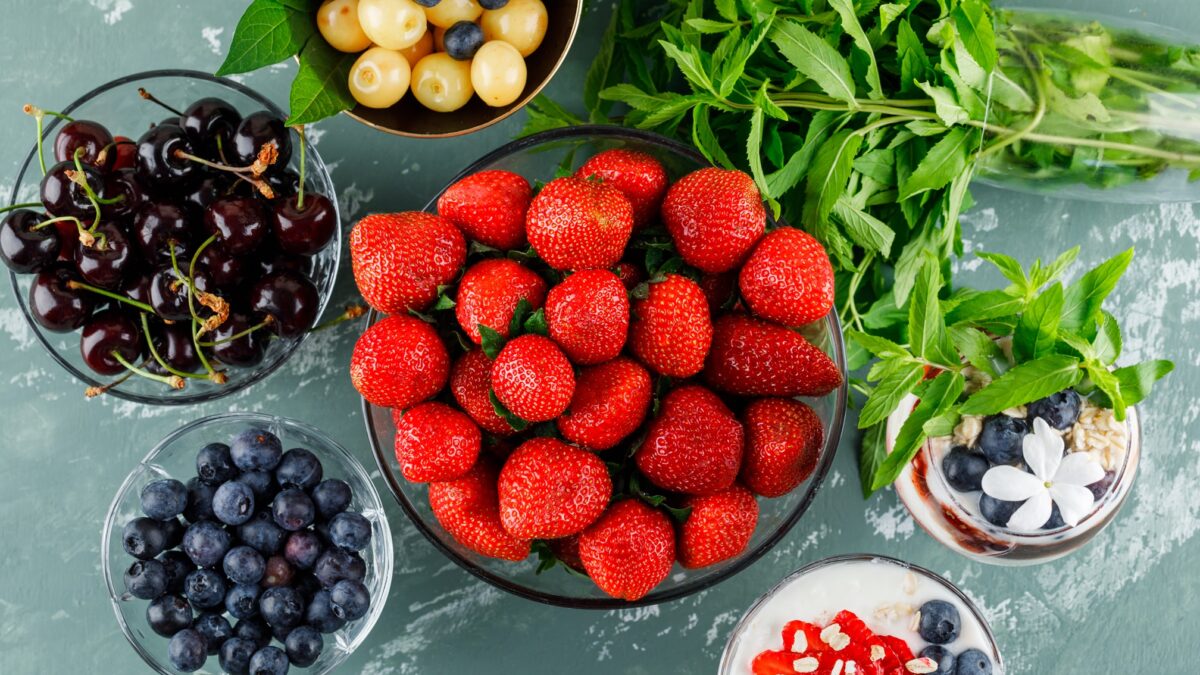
(537, 157)
(175, 457)
(760, 627)
(119, 101)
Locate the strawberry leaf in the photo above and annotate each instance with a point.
(427, 318)
(515, 422)
(443, 303)
(678, 514)
(536, 323)
(492, 342)
(517, 325)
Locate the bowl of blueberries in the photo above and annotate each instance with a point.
(247, 543)
(169, 239)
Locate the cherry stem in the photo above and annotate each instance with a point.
(172, 381)
(154, 352)
(102, 156)
(236, 336)
(196, 256)
(86, 237)
(352, 312)
(27, 205)
(93, 392)
(180, 154)
(300, 191)
(80, 178)
(150, 97)
(77, 285)
(39, 115)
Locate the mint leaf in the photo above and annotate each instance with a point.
(828, 175)
(1110, 385)
(1044, 275)
(1084, 297)
(914, 64)
(268, 32)
(977, 348)
(943, 391)
(878, 345)
(1107, 344)
(1025, 383)
(975, 28)
(981, 306)
(1137, 381)
(320, 89)
(734, 66)
(513, 421)
(850, 24)
(946, 159)
(1011, 269)
(492, 342)
(889, 392)
(813, 57)
(727, 9)
(871, 455)
(1037, 329)
(789, 176)
(945, 104)
(926, 325)
(864, 229)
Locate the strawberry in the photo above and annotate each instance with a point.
(577, 224)
(610, 402)
(631, 275)
(489, 293)
(774, 663)
(549, 489)
(399, 362)
(718, 290)
(435, 442)
(718, 528)
(400, 259)
(801, 637)
(671, 330)
(783, 443)
(629, 550)
(470, 382)
(788, 278)
(566, 550)
(469, 509)
(640, 177)
(695, 444)
(715, 217)
(533, 379)
(751, 357)
(588, 316)
(490, 207)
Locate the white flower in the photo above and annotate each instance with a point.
(1055, 480)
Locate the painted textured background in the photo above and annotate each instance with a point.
(1124, 604)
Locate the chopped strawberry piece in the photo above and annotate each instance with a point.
(852, 641)
(899, 648)
(774, 663)
(802, 637)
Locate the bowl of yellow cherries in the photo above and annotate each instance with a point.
(434, 68)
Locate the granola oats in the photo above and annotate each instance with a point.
(1098, 433)
(808, 664)
(921, 665)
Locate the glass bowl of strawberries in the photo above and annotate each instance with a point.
(597, 352)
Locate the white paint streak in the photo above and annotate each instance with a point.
(890, 522)
(114, 10)
(212, 35)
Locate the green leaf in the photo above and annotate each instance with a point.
(943, 424)
(946, 159)
(513, 421)
(945, 104)
(543, 114)
(520, 313)
(1008, 93)
(813, 57)
(850, 24)
(943, 391)
(889, 392)
(727, 9)
(689, 63)
(601, 70)
(536, 323)
(879, 164)
(828, 175)
(705, 140)
(926, 324)
(889, 12)
(1110, 385)
(733, 67)
(1025, 383)
(708, 26)
(1085, 297)
(975, 27)
(977, 348)
(1137, 381)
(878, 345)
(863, 228)
(267, 33)
(320, 89)
(1107, 344)
(1037, 329)
(914, 64)
(1087, 108)
(492, 342)
(444, 302)
(1055, 269)
(980, 306)
(797, 165)
(1010, 268)
(871, 455)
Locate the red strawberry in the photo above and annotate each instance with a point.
(718, 289)
(671, 330)
(695, 444)
(400, 259)
(567, 552)
(718, 528)
(549, 489)
(629, 551)
(399, 362)
(470, 382)
(489, 293)
(577, 224)
(715, 217)
(610, 402)
(469, 509)
(435, 442)
(588, 316)
(631, 275)
(533, 379)
(751, 357)
(788, 278)
(490, 207)
(783, 442)
(774, 663)
(640, 177)
(802, 637)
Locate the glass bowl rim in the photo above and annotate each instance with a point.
(828, 449)
(344, 458)
(316, 163)
(726, 654)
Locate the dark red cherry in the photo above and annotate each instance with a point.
(245, 351)
(90, 137)
(108, 261)
(283, 183)
(210, 188)
(173, 344)
(63, 197)
(125, 152)
(304, 230)
(255, 131)
(289, 298)
(120, 184)
(168, 295)
(208, 120)
(158, 167)
(56, 306)
(240, 224)
(160, 225)
(108, 331)
(23, 248)
(226, 271)
(138, 287)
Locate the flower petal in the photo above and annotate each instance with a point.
(1079, 468)
(1043, 450)
(1033, 514)
(1074, 502)
(1010, 484)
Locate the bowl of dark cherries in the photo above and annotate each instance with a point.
(169, 239)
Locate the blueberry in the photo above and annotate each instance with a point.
(997, 512)
(1100, 488)
(279, 572)
(256, 450)
(215, 629)
(214, 465)
(427, 3)
(255, 630)
(462, 40)
(164, 499)
(144, 538)
(304, 645)
(281, 606)
(307, 584)
(269, 661)
(242, 601)
(187, 650)
(492, 4)
(299, 468)
(281, 633)
(235, 655)
(1056, 520)
(244, 565)
(350, 599)
(173, 528)
(320, 614)
(943, 657)
(233, 503)
(964, 469)
(332, 497)
(337, 564)
(350, 530)
(973, 662)
(1000, 439)
(1058, 410)
(262, 534)
(940, 622)
(205, 543)
(168, 614)
(293, 509)
(205, 589)
(200, 497)
(178, 566)
(146, 579)
(262, 483)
